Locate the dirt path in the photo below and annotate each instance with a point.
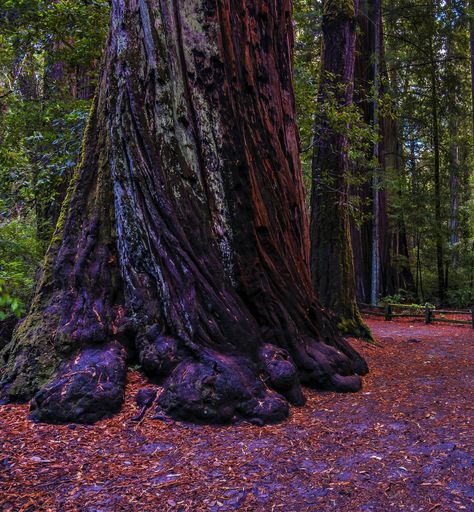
(405, 443)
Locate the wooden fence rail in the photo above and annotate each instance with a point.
(427, 312)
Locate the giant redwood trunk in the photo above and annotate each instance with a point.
(183, 242)
(331, 252)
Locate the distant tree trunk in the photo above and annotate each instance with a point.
(361, 231)
(331, 252)
(372, 239)
(396, 274)
(454, 165)
(415, 191)
(62, 82)
(183, 243)
(438, 224)
(467, 189)
(437, 188)
(453, 85)
(375, 260)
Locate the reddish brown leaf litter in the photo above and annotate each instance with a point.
(405, 443)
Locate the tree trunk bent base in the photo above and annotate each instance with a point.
(183, 240)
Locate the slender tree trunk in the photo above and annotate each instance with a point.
(375, 260)
(437, 190)
(453, 85)
(417, 235)
(183, 242)
(454, 165)
(331, 255)
(375, 270)
(396, 275)
(438, 227)
(419, 274)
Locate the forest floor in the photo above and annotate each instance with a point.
(405, 443)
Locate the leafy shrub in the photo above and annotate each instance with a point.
(20, 254)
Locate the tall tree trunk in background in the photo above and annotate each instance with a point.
(396, 275)
(438, 227)
(375, 252)
(331, 252)
(417, 237)
(437, 187)
(183, 242)
(471, 48)
(453, 92)
(62, 82)
(371, 240)
(361, 232)
(367, 262)
(467, 189)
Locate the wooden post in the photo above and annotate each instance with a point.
(388, 312)
(427, 315)
(472, 316)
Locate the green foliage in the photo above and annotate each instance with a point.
(397, 298)
(427, 52)
(400, 300)
(42, 122)
(419, 39)
(462, 297)
(347, 120)
(40, 149)
(307, 16)
(20, 253)
(48, 51)
(74, 30)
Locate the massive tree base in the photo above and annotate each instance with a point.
(208, 387)
(183, 242)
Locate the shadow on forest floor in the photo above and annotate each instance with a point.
(404, 443)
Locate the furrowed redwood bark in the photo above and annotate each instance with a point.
(183, 241)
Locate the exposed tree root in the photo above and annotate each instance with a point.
(88, 388)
